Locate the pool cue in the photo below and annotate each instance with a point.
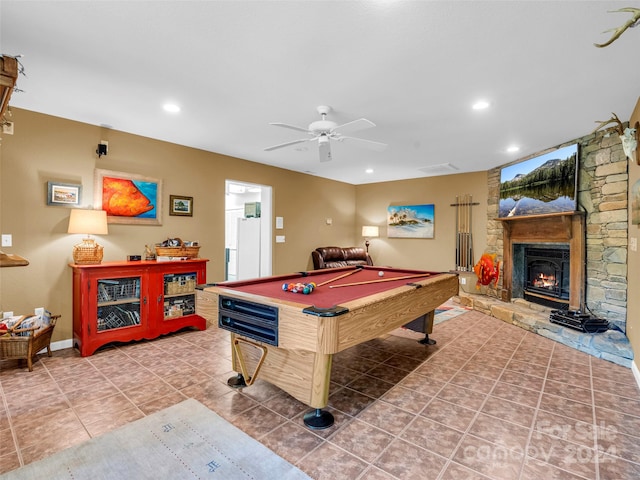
(339, 277)
(406, 277)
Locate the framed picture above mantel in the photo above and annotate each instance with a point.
(128, 198)
(547, 183)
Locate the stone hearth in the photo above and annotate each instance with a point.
(611, 345)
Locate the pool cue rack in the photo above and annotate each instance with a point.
(464, 235)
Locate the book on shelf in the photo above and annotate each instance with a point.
(162, 258)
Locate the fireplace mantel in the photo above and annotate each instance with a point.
(564, 227)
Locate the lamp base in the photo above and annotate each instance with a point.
(88, 252)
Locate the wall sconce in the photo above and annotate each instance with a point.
(369, 232)
(88, 222)
(103, 148)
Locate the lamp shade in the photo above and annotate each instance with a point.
(89, 222)
(369, 231)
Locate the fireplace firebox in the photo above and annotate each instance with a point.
(548, 230)
(547, 275)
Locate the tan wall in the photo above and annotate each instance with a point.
(431, 254)
(45, 148)
(633, 261)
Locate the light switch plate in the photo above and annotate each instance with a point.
(7, 240)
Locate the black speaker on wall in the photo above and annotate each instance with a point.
(102, 149)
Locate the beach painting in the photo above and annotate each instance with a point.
(410, 221)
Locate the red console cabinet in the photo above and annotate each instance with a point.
(125, 301)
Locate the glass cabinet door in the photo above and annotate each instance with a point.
(179, 294)
(118, 303)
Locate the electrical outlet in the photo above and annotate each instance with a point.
(7, 240)
(7, 128)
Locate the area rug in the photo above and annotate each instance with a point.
(182, 442)
(447, 311)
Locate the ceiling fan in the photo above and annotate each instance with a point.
(325, 130)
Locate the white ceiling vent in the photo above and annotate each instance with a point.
(440, 169)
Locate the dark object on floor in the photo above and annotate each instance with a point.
(579, 321)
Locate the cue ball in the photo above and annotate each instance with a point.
(381, 273)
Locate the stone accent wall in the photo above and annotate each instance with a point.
(603, 185)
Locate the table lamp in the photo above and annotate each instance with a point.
(88, 222)
(369, 232)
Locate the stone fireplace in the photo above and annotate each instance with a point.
(596, 234)
(596, 237)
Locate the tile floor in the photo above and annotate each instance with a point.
(489, 401)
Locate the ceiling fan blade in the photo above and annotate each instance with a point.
(361, 142)
(354, 126)
(292, 127)
(268, 149)
(325, 151)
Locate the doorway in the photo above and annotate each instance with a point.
(248, 230)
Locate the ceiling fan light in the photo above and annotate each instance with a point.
(323, 139)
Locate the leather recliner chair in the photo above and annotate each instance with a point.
(333, 257)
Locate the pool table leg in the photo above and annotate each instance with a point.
(428, 328)
(318, 419)
(237, 382)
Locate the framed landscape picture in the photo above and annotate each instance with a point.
(128, 198)
(411, 221)
(64, 194)
(180, 206)
(546, 183)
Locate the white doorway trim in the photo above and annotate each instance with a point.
(235, 193)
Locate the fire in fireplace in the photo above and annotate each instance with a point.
(547, 275)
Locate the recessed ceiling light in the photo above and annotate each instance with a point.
(171, 108)
(369, 170)
(480, 105)
(513, 149)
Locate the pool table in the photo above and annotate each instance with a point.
(288, 339)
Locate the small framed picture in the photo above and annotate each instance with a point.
(179, 205)
(64, 194)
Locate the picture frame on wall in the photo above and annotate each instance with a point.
(128, 198)
(411, 221)
(181, 206)
(64, 194)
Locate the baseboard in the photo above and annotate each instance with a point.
(636, 372)
(62, 344)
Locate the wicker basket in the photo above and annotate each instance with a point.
(88, 252)
(181, 251)
(176, 287)
(26, 348)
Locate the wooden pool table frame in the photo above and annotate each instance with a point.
(301, 363)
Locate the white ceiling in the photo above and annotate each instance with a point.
(414, 68)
